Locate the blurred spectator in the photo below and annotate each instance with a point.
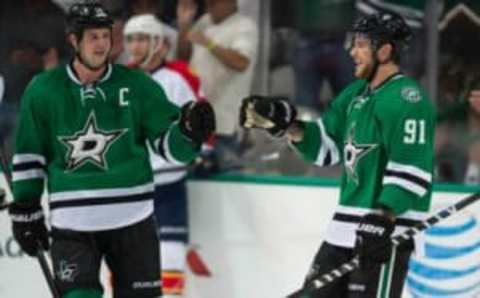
(451, 5)
(222, 49)
(138, 7)
(413, 11)
(118, 53)
(64, 4)
(2, 88)
(169, 10)
(119, 14)
(458, 133)
(32, 41)
(320, 49)
(282, 35)
(472, 175)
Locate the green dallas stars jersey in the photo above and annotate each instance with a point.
(385, 139)
(89, 144)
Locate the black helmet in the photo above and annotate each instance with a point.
(87, 14)
(384, 27)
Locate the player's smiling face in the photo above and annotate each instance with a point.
(95, 46)
(362, 55)
(138, 46)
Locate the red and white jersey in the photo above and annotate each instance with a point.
(181, 85)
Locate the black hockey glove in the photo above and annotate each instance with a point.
(373, 243)
(274, 115)
(28, 225)
(197, 121)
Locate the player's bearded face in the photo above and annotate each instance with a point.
(362, 55)
(95, 46)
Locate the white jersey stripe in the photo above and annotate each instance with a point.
(343, 234)
(24, 158)
(99, 193)
(93, 218)
(412, 170)
(28, 174)
(327, 146)
(406, 184)
(167, 151)
(173, 230)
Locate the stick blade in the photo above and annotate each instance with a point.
(196, 264)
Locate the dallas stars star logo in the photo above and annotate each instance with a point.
(90, 144)
(353, 152)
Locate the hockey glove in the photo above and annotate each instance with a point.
(197, 121)
(373, 243)
(274, 115)
(29, 229)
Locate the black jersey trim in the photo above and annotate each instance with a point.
(328, 158)
(71, 203)
(30, 165)
(160, 148)
(356, 219)
(407, 176)
(386, 81)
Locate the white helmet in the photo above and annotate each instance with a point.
(149, 25)
(145, 24)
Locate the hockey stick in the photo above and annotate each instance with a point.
(40, 252)
(353, 264)
(3, 197)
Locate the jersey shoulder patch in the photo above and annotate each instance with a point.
(402, 91)
(411, 94)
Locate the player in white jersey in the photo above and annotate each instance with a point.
(148, 48)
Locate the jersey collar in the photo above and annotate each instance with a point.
(385, 82)
(73, 75)
(162, 65)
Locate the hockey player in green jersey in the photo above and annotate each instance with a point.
(381, 127)
(82, 132)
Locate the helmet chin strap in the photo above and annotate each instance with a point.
(154, 48)
(376, 65)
